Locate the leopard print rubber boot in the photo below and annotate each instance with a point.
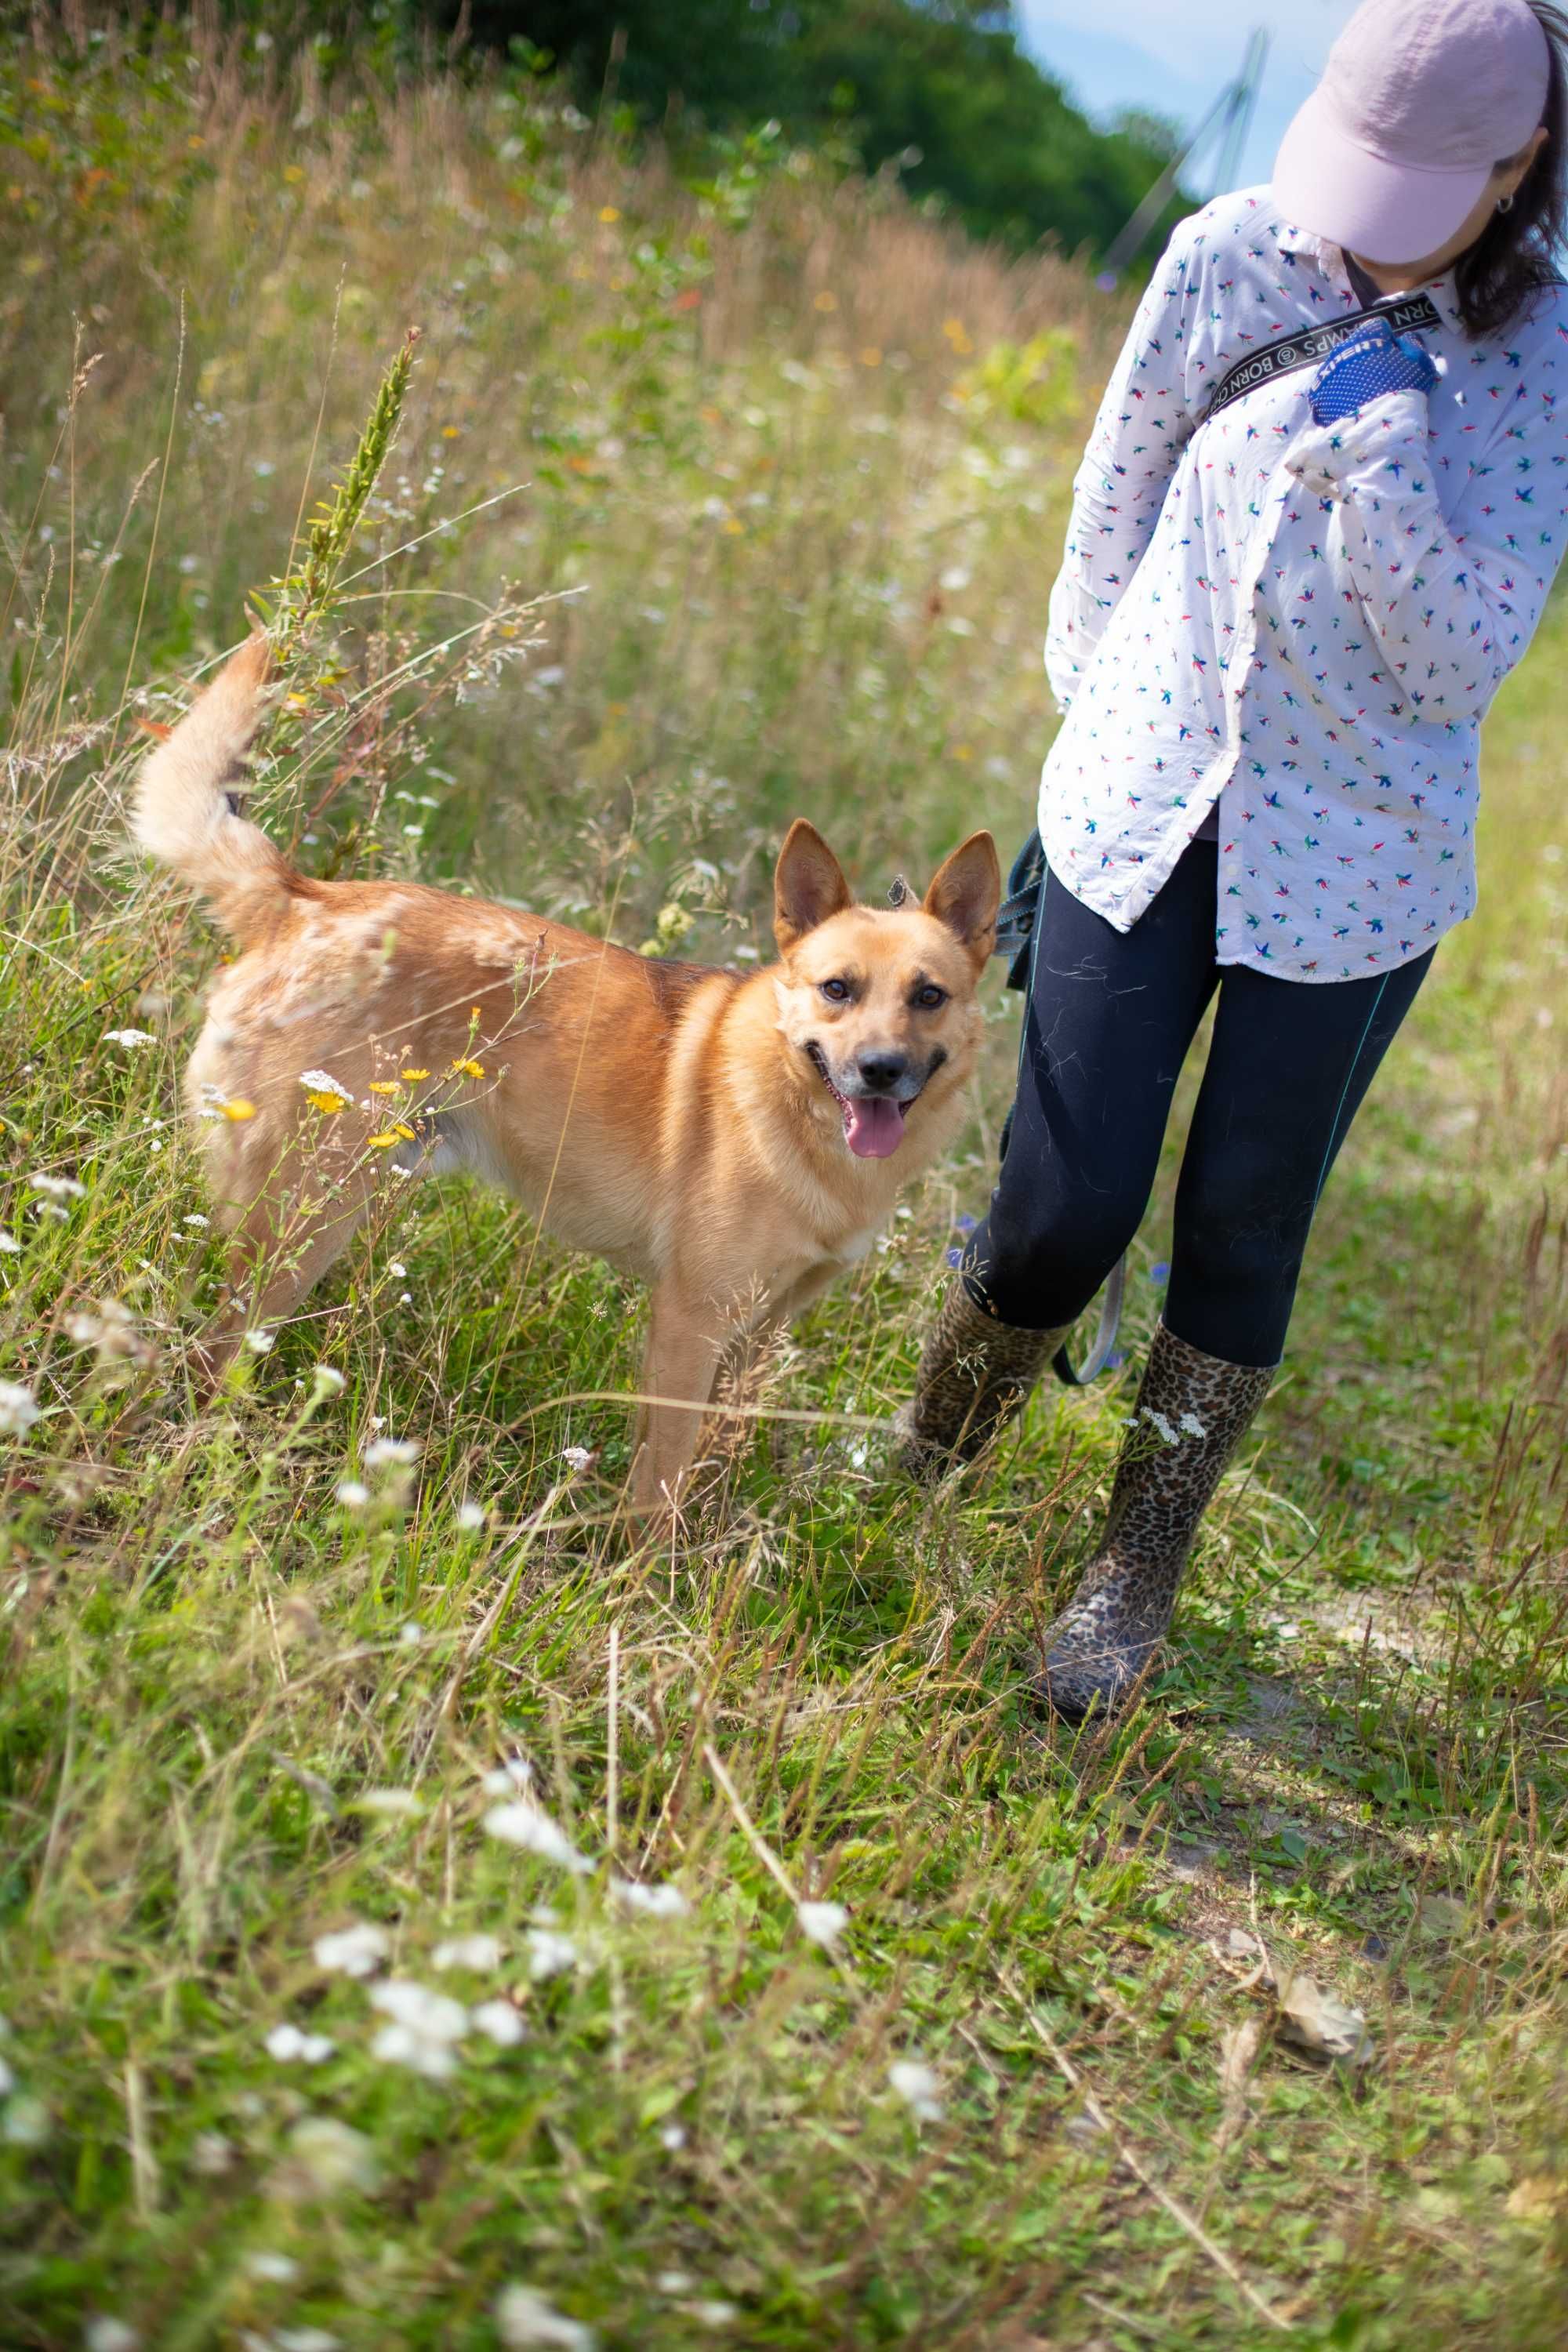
(1193, 1411)
(975, 1373)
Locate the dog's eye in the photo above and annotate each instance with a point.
(836, 991)
(928, 997)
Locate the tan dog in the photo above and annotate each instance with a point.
(734, 1141)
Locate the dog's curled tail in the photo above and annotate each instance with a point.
(184, 814)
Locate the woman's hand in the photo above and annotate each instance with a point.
(1373, 361)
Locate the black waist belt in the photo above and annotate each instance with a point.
(1405, 313)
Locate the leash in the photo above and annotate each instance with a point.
(1017, 927)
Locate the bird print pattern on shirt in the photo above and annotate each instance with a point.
(1310, 620)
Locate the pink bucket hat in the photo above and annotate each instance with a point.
(1419, 101)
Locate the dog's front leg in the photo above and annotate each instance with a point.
(686, 1340)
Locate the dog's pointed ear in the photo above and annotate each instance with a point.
(965, 893)
(808, 885)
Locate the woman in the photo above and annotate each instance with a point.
(1285, 603)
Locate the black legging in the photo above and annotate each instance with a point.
(1109, 1018)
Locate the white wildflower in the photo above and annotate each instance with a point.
(129, 1038)
(9, 1246)
(107, 2334)
(384, 1452)
(549, 1953)
(424, 2030)
(398, 1270)
(277, 2270)
(516, 1773)
(500, 2022)
(327, 1379)
(261, 1343)
(1160, 1423)
(672, 2136)
(577, 1458)
(714, 2312)
(197, 1219)
(59, 1188)
(333, 2155)
(1191, 1426)
(916, 2083)
(392, 1804)
(353, 1494)
(212, 2155)
(675, 2282)
(664, 1902)
(7, 2080)
(471, 1516)
(287, 2042)
(25, 2123)
(524, 2319)
(823, 1922)
(355, 1951)
(524, 1824)
(467, 1952)
(306, 2339)
(410, 1634)
(19, 1409)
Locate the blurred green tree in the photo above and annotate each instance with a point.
(937, 90)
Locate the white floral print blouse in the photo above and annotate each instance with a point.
(1309, 619)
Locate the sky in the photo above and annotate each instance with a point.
(1173, 57)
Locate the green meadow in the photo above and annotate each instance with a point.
(431, 1914)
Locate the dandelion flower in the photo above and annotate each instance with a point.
(467, 1952)
(500, 2022)
(325, 1092)
(524, 2319)
(129, 1038)
(664, 1902)
(524, 1824)
(823, 1922)
(916, 2085)
(19, 1409)
(355, 1951)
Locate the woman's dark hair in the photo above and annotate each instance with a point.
(1515, 255)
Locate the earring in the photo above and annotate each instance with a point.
(1505, 204)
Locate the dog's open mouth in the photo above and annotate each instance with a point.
(873, 1124)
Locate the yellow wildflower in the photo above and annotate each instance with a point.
(469, 1069)
(385, 1086)
(415, 1074)
(239, 1110)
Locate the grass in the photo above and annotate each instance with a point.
(795, 469)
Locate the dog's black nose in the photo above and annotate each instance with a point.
(879, 1074)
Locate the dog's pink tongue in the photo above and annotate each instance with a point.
(873, 1128)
